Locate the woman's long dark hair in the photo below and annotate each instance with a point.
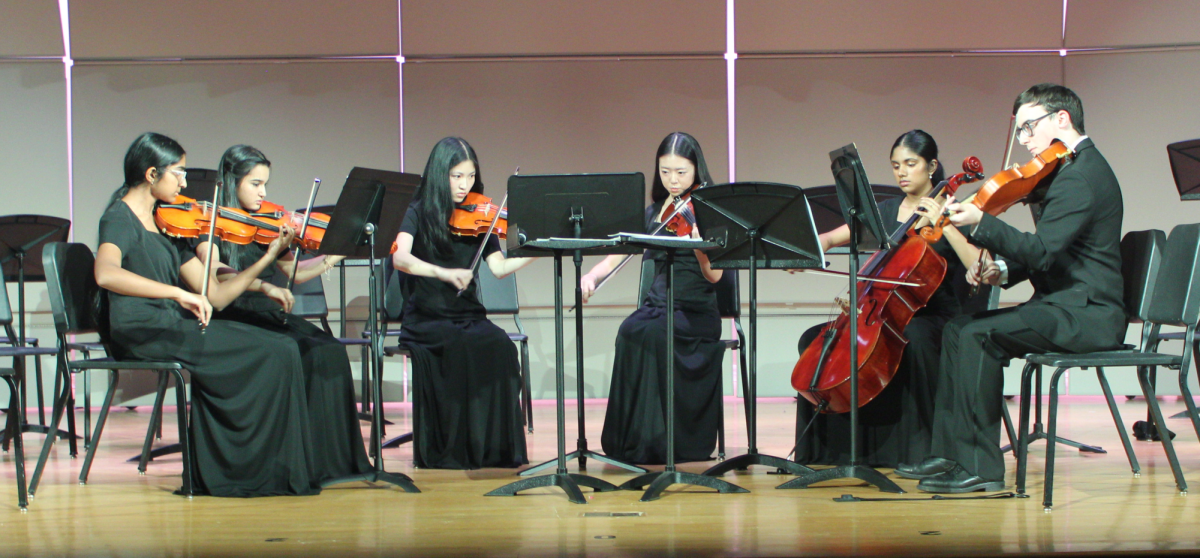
(433, 213)
(921, 143)
(683, 145)
(235, 164)
(149, 150)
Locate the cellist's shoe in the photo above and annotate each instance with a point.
(958, 481)
(929, 467)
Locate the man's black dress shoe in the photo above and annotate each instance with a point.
(957, 481)
(929, 467)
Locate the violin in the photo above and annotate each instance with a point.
(188, 218)
(683, 221)
(274, 215)
(474, 216)
(972, 171)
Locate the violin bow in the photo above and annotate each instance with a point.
(983, 252)
(312, 197)
(212, 229)
(486, 236)
(680, 203)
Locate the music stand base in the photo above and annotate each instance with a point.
(1039, 435)
(657, 482)
(569, 482)
(582, 456)
(746, 460)
(397, 479)
(157, 452)
(398, 440)
(860, 472)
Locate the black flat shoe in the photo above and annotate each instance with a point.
(929, 467)
(958, 481)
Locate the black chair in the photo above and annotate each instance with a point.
(12, 430)
(10, 348)
(729, 305)
(80, 308)
(1173, 294)
(499, 296)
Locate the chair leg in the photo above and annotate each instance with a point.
(1008, 427)
(364, 386)
(87, 400)
(185, 442)
(1187, 392)
(721, 426)
(527, 391)
(113, 377)
(1051, 432)
(37, 370)
(1022, 445)
(70, 410)
(60, 401)
(155, 423)
(14, 429)
(1116, 414)
(1144, 373)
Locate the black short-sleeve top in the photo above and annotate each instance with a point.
(428, 298)
(151, 255)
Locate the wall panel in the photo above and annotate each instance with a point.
(870, 25)
(489, 28)
(33, 138)
(1115, 23)
(30, 28)
(233, 28)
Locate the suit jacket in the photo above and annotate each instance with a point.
(1074, 257)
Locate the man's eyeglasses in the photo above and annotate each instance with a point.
(1026, 129)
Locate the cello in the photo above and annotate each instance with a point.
(822, 374)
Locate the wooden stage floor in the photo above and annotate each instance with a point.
(1100, 506)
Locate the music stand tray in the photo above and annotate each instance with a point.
(576, 213)
(861, 213)
(1185, 167)
(767, 226)
(351, 229)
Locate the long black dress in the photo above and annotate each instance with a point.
(635, 423)
(249, 421)
(896, 426)
(333, 421)
(466, 375)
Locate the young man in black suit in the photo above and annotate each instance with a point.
(1073, 261)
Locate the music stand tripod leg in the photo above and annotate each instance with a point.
(658, 482)
(568, 482)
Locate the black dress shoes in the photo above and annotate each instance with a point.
(957, 481)
(929, 467)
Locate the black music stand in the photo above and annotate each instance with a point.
(554, 213)
(21, 240)
(827, 210)
(656, 482)
(860, 212)
(351, 233)
(612, 204)
(201, 183)
(1185, 167)
(768, 226)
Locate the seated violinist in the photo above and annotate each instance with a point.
(333, 427)
(896, 426)
(465, 368)
(1073, 260)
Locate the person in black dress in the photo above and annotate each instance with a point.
(896, 426)
(635, 422)
(333, 421)
(466, 376)
(249, 420)
(1073, 261)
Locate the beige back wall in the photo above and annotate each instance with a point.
(562, 87)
